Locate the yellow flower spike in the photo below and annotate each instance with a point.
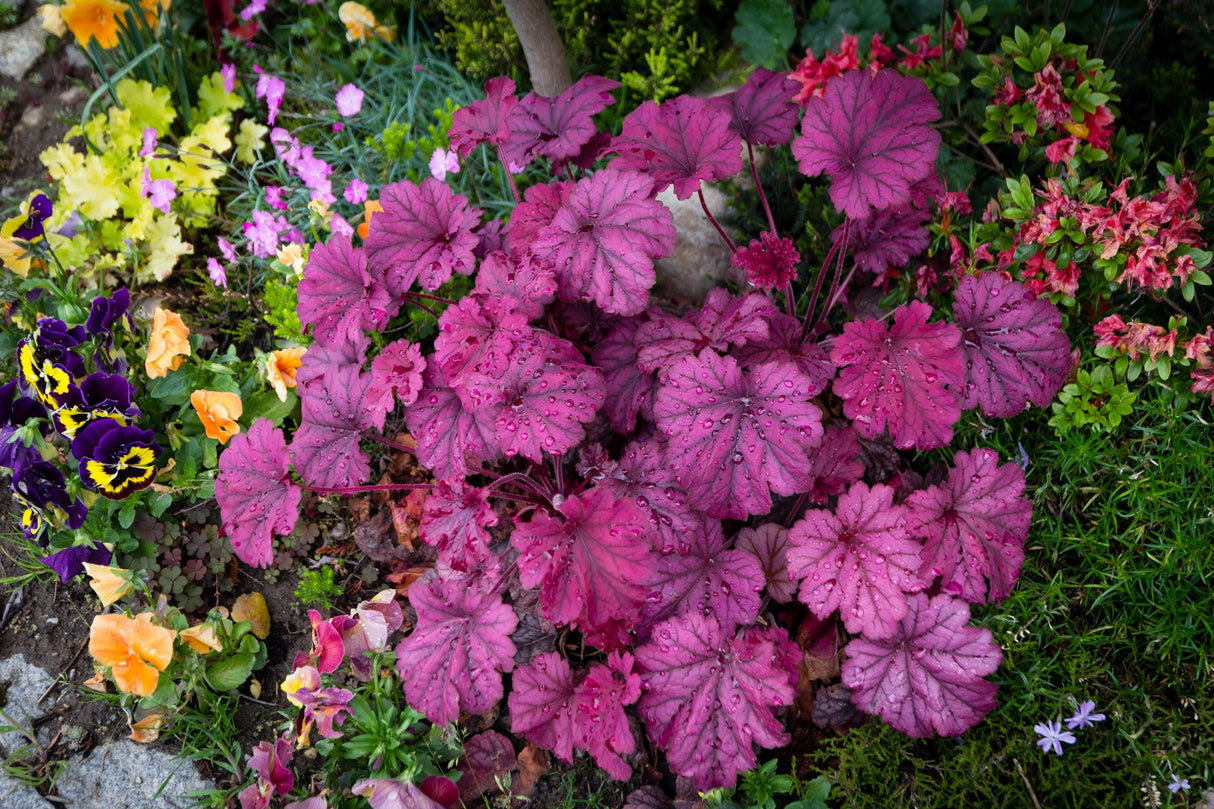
(93, 19)
(218, 411)
(281, 366)
(202, 638)
(168, 344)
(109, 583)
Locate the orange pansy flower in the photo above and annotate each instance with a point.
(218, 411)
(281, 367)
(168, 344)
(370, 207)
(202, 639)
(134, 649)
(109, 583)
(93, 19)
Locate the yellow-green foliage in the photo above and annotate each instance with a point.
(117, 229)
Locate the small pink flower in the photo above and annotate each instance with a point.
(356, 192)
(219, 276)
(149, 142)
(272, 89)
(228, 72)
(274, 197)
(340, 227)
(444, 162)
(349, 100)
(160, 193)
(254, 8)
(227, 250)
(339, 126)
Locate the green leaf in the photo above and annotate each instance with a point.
(230, 672)
(765, 32)
(267, 405)
(860, 17)
(126, 514)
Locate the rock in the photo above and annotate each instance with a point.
(701, 258)
(20, 47)
(130, 775)
(16, 795)
(21, 683)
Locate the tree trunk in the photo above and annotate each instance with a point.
(542, 46)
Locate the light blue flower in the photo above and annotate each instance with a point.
(1084, 717)
(1053, 737)
(1178, 784)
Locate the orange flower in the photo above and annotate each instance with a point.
(93, 19)
(168, 344)
(202, 638)
(359, 21)
(281, 367)
(370, 207)
(109, 583)
(134, 649)
(218, 411)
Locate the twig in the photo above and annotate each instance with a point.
(1027, 785)
(1108, 22)
(16, 600)
(1151, 6)
(986, 149)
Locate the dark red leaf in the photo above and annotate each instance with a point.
(629, 389)
(557, 128)
(643, 476)
(484, 120)
(763, 110)
(423, 233)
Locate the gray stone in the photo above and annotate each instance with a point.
(16, 795)
(701, 258)
(129, 775)
(21, 684)
(20, 47)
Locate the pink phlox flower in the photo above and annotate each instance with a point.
(228, 72)
(1053, 737)
(217, 273)
(149, 142)
(250, 11)
(227, 250)
(272, 89)
(356, 192)
(444, 162)
(1084, 718)
(769, 261)
(349, 100)
(160, 193)
(263, 232)
(340, 226)
(274, 197)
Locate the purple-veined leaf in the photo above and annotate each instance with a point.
(905, 376)
(479, 335)
(590, 562)
(643, 476)
(835, 466)
(599, 722)
(535, 213)
(1016, 352)
(557, 128)
(860, 560)
(723, 321)
(455, 517)
(541, 704)
(737, 436)
(707, 579)
(485, 119)
(256, 495)
(446, 430)
(339, 297)
(396, 375)
(684, 141)
(522, 276)
(321, 362)
(454, 658)
(870, 134)
(769, 544)
(709, 696)
(629, 389)
(887, 239)
(927, 677)
(325, 447)
(424, 233)
(763, 110)
(604, 239)
(976, 523)
(786, 342)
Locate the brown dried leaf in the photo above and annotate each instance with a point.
(532, 763)
(252, 607)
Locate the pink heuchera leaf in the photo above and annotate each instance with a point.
(870, 134)
(455, 517)
(629, 389)
(453, 660)
(904, 377)
(256, 495)
(604, 239)
(643, 476)
(926, 678)
(976, 524)
(835, 466)
(396, 375)
(424, 233)
(535, 213)
(769, 544)
(521, 275)
(599, 722)
(541, 400)
(763, 110)
(724, 320)
(479, 335)
(541, 704)
(326, 445)
(321, 361)
(889, 238)
(591, 562)
(484, 120)
(709, 696)
(339, 297)
(684, 141)
(786, 342)
(860, 560)
(446, 430)
(1016, 352)
(557, 128)
(737, 436)
(707, 579)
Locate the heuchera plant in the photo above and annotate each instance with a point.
(608, 466)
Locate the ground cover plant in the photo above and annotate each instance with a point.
(891, 469)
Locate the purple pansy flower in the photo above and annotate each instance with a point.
(115, 460)
(69, 563)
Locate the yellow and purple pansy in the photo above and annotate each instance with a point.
(40, 487)
(99, 396)
(115, 459)
(48, 365)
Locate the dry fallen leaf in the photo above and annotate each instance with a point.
(252, 607)
(147, 729)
